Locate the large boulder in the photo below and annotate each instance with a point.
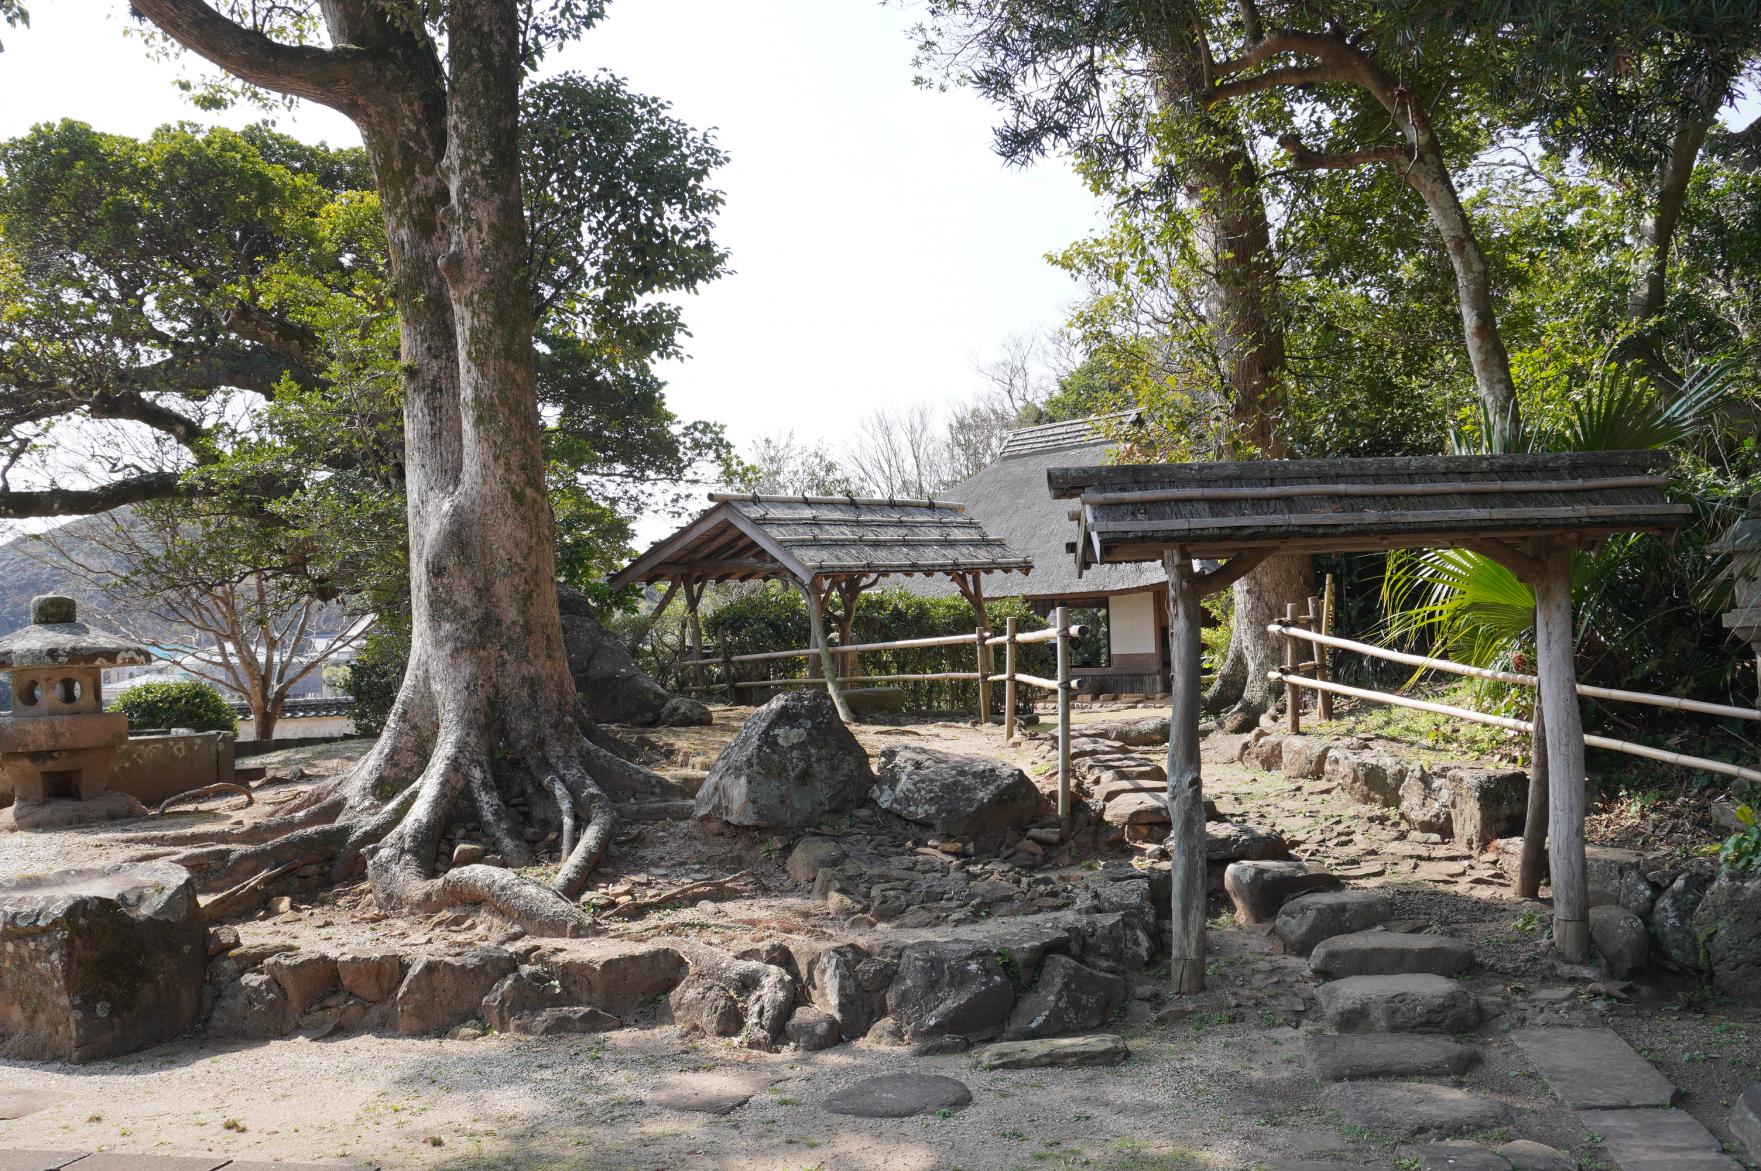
(1370, 776)
(1672, 918)
(1069, 998)
(792, 763)
(953, 793)
(607, 679)
(444, 989)
(950, 989)
(1728, 919)
(1620, 937)
(1485, 803)
(97, 963)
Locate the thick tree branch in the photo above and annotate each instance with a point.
(341, 77)
(1304, 159)
(18, 505)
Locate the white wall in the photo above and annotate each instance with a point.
(1131, 623)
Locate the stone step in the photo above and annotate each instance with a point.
(1406, 1110)
(1593, 1069)
(1260, 889)
(1399, 1004)
(1390, 953)
(1336, 1057)
(1650, 1139)
(1307, 919)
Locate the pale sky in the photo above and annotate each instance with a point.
(880, 250)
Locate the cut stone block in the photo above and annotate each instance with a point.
(1099, 1049)
(1590, 1069)
(1656, 1140)
(1338, 1057)
(122, 1161)
(1390, 953)
(1403, 1110)
(1399, 1004)
(1306, 920)
(37, 1160)
(98, 963)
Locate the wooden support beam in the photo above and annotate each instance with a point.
(816, 623)
(1554, 650)
(1186, 797)
(1061, 623)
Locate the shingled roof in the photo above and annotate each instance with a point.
(750, 537)
(1137, 513)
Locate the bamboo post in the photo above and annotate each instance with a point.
(1186, 798)
(984, 681)
(816, 621)
(1292, 694)
(1317, 616)
(728, 673)
(1061, 620)
(1324, 655)
(1565, 754)
(1528, 874)
(1008, 679)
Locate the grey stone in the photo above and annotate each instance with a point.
(1656, 1140)
(1399, 1004)
(681, 711)
(304, 975)
(1369, 776)
(954, 794)
(899, 1095)
(372, 976)
(252, 1008)
(1745, 1120)
(1307, 919)
(1390, 953)
(100, 962)
(1454, 1155)
(1098, 1049)
(1621, 938)
(1672, 919)
(619, 976)
(18, 1102)
(1593, 1068)
(1407, 1110)
(834, 987)
(37, 1160)
(606, 676)
(1229, 841)
(1306, 756)
(949, 988)
(447, 989)
(1728, 919)
(1337, 1057)
(1527, 1155)
(1424, 804)
(1258, 889)
(792, 763)
(811, 855)
(1069, 998)
(1616, 878)
(701, 1006)
(809, 1028)
(1485, 803)
(706, 1093)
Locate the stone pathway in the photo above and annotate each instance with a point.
(119, 1161)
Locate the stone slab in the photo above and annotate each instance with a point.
(1336, 1057)
(16, 1102)
(124, 1161)
(1656, 1140)
(1390, 953)
(1406, 1110)
(706, 1093)
(260, 1165)
(1593, 1069)
(1745, 1120)
(37, 1160)
(1097, 1049)
(1452, 1155)
(899, 1095)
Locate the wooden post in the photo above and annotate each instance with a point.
(1324, 655)
(984, 680)
(1061, 623)
(1186, 798)
(1528, 874)
(1558, 694)
(1292, 693)
(1008, 679)
(728, 672)
(816, 620)
(694, 628)
(1318, 654)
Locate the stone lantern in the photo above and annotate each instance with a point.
(1742, 543)
(60, 741)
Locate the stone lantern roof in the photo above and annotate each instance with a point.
(56, 638)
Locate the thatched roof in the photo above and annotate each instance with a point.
(750, 537)
(1010, 498)
(1138, 512)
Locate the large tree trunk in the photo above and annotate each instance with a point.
(487, 710)
(1241, 305)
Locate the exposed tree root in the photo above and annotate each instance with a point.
(691, 890)
(394, 810)
(204, 792)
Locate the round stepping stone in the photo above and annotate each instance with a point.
(899, 1095)
(1390, 953)
(1399, 1004)
(1338, 1057)
(1525, 1155)
(706, 1093)
(1306, 920)
(1407, 1110)
(1454, 1155)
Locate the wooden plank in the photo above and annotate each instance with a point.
(1186, 798)
(1296, 491)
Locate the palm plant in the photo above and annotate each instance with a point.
(1470, 608)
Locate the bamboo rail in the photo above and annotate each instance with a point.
(963, 676)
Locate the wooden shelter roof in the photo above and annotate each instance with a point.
(1214, 510)
(752, 537)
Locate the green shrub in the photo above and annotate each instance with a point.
(188, 704)
(375, 676)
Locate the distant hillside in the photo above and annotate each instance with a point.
(27, 569)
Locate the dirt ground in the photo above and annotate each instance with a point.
(1221, 1086)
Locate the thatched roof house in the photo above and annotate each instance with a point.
(1010, 499)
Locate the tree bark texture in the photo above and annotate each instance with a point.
(1186, 797)
(1555, 649)
(486, 719)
